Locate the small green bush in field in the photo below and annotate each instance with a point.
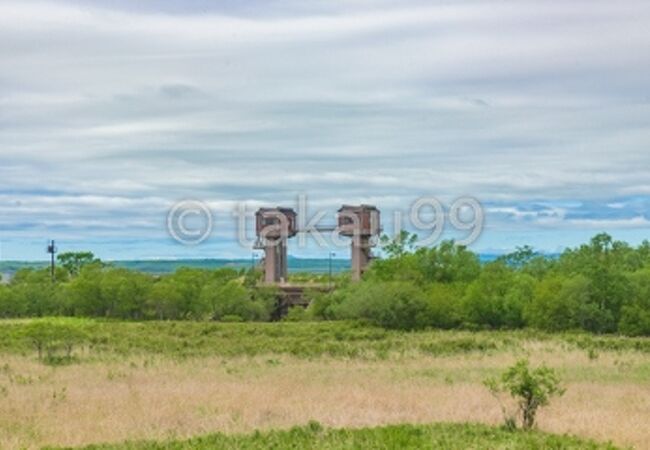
(50, 337)
(531, 388)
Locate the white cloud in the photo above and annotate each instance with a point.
(600, 224)
(106, 109)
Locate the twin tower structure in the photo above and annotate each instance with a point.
(275, 226)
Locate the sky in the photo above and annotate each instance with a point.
(112, 112)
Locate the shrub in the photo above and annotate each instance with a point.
(9, 306)
(485, 300)
(234, 299)
(34, 294)
(531, 388)
(635, 316)
(323, 305)
(446, 263)
(296, 314)
(445, 305)
(50, 336)
(396, 305)
(124, 293)
(557, 302)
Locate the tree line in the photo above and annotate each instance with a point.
(84, 286)
(602, 286)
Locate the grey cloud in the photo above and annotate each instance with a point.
(178, 90)
(345, 101)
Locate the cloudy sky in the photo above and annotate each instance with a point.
(113, 111)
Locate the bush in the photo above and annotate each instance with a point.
(446, 263)
(635, 316)
(296, 314)
(396, 305)
(34, 294)
(557, 303)
(445, 305)
(323, 305)
(9, 306)
(485, 303)
(51, 336)
(233, 299)
(531, 390)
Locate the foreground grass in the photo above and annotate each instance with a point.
(133, 381)
(313, 436)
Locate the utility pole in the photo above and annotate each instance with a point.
(51, 249)
(330, 269)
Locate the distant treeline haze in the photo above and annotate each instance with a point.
(601, 287)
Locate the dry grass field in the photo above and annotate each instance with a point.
(160, 396)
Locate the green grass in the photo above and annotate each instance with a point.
(313, 436)
(302, 339)
(248, 350)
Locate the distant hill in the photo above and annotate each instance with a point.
(312, 265)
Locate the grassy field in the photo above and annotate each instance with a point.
(175, 380)
(313, 436)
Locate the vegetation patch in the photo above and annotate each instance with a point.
(87, 339)
(314, 436)
(602, 287)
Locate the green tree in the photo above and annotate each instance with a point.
(84, 293)
(635, 317)
(34, 291)
(526, 260)
(234, 299)
(49, 336)
(399, 245)
(485, 303)
(402, 268)
(165, 300)
(395, 305)
(324, 305)
(643, 253)
(604, 263)
(125, 293)
(557, 302)
(9, 305)
(445, 305)
(189, 284)
(73, 262)
(448, 263)
(520, 257)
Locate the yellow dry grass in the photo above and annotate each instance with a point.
(607, 398)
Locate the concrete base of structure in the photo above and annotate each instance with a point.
(360, 256)
(275, 261)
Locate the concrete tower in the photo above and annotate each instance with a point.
(361, 223)
(274, 226)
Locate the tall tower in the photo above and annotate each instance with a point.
(361, 223)
(274, 226)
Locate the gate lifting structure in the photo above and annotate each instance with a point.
(275, 226)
